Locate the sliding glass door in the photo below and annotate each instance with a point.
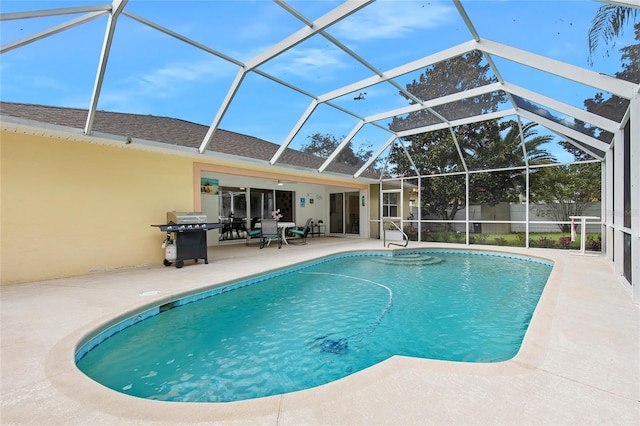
(344, 213)
(336, 213)
(265, 201)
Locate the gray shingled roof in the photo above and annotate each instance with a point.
(167, 130)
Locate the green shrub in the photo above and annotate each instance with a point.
(542, 242)
(499, 241)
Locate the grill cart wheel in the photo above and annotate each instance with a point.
(179, 263)
(166, 263)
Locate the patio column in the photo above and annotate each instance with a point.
(607, 200)
(634, 180)
(618, 203)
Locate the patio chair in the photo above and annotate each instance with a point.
(269, 231)
(300, 233)
(253, 237)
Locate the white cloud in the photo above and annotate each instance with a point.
(393, 19)
(312, 63)
(167, 81)
(45, 82)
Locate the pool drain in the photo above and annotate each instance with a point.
(332, 346)
(341, 346)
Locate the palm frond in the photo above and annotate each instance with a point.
(608, 24)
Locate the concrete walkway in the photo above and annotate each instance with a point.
(579, 363)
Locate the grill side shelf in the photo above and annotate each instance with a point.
(188, 227)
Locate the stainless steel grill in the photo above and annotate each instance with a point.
(180, 218)
(189, 233)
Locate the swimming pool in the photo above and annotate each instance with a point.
(317, 322)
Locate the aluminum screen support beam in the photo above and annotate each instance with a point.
(477, 91)
(222, 110)
(552, 125)
(625, 3)
(607, 198)
(182, 38)
(460, 122)
(116, 8)
(406, 152)
(457, 145)
(11, 16)
(340, 147)
(582, 115)
(525, 156)
(335, 15)
(634, 190)
(50, 31)
(330, 18)
(467, 20)
(399, 71)
(292, 134)
(476, 37)
(373, 158)
(584, 76)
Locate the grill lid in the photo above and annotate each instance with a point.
(180, 218)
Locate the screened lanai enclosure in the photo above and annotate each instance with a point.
(500, 122)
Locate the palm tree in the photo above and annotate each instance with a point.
(506, 151)
(608, 24)
(536, 154)
(532, 142)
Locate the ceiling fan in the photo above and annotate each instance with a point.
(281, 182)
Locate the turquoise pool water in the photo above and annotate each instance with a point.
(318, 322)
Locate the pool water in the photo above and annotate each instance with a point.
(325, 321)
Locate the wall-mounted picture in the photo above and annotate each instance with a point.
(310, 200)
(302, 202)
(209, 186)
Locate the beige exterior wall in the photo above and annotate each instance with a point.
(374, 211)
(72, 208)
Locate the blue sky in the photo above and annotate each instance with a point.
(152, 73)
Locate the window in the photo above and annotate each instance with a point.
(390, 202)
(265, 201)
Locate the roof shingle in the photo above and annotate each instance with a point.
(167, 130)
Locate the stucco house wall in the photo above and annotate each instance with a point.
(75, 204)
(72, 208)
(75, 208)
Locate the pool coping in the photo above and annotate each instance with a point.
(385, 393)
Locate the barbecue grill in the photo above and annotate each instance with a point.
(188, 231)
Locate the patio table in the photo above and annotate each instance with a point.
(283, 226)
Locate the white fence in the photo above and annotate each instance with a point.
(482, 218)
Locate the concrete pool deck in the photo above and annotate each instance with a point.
(579, 363)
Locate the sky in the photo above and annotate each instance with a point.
(151, 73)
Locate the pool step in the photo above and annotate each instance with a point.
(409, 260)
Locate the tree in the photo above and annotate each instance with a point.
(614, 107)
(435, 152)
(490, 144)
(323, 145)
(498, 146)
(608, 24)
(567, 191)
